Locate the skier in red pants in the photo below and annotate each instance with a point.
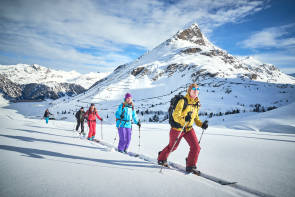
(91, 115)
(184, 116)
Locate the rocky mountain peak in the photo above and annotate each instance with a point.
(36, 67)
(192, 34)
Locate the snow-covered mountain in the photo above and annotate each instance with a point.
(22, 82)
(228, 84)
(34, 91)
(25, 74)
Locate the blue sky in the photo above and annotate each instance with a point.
(99, 35)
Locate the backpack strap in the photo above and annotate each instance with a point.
(185, 104)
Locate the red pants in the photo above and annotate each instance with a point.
(92, 128)
(192, 141)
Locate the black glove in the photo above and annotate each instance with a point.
(205, 124)
(138, 124)
(101, 120)
(188, 117)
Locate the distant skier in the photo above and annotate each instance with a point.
(184, 116)
(80, 120)
(46, 115)
(125, 114)
(90, 116)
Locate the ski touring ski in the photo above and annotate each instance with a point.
(217, 180)
(172, 166)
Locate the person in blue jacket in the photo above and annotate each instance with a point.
(125, 114)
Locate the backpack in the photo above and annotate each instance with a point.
(173, 103)
(123, 111)
(86, 114)
(77, 115)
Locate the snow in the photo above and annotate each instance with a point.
(280, 120)
(25, 74)
(254, 149)
(52, 160)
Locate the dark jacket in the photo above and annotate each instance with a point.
(80, 115)
(47, 113)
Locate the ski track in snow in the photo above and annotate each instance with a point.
(180, 168)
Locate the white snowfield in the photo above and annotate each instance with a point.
(52, 160)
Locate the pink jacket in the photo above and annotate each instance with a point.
(90, 115)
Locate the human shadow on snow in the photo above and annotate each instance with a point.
(46, 127)
(41, 154)
(44, 133)
(30, 139)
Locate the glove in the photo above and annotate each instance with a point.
(138, 124)
(205, 124)
(101, 120)
(188, 117)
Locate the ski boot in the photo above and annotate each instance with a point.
(192, 169)
(162, 162)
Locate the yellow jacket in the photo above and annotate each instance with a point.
(179, 115)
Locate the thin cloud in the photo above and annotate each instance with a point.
(57, 30)
(274, 37)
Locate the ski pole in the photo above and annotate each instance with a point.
(175, 142)
(206, 121)
(201, 136)
(185, 124)
(101, 130)
(139, 139)
(115, 138)
(74, 129)
(179, 134)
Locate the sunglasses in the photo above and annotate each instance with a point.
(196, 88)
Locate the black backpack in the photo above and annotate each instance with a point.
(173, 103)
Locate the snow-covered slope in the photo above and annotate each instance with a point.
(51, 160)
(228, 84)
(25, 74)
(279, 120)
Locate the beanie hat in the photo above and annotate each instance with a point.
(127, 95)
